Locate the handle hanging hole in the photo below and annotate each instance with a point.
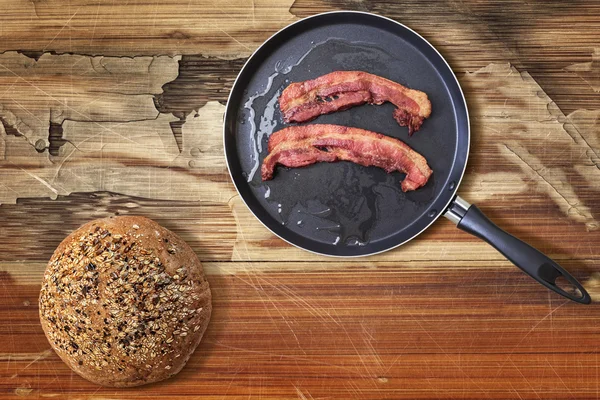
(564, 284)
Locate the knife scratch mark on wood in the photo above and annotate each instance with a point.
(289, 357)
(61, 29)
(526, 380)
(527, 334)
(426, 331)
(37, 178)
(561, 191)
(559, 377)
(32, 357)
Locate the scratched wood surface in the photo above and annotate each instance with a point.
(116, 108)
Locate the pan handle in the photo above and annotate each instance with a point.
(540, 267)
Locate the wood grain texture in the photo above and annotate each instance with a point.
(230, 28)
(129, 122)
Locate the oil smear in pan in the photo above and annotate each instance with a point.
(266, 125)
(343, 206)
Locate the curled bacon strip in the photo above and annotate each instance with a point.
(304, 101)
(298, 146)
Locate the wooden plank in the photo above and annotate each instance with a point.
(33, 228)
(473, 35)
(345, 330)
(171, 27)
(527, 157)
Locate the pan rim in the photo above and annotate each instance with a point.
(468, 121)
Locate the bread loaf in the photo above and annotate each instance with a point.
(124, 301)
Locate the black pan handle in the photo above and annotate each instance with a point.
(540, 267)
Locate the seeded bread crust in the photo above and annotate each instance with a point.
(124, 302)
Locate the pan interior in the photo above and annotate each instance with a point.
(343, 208)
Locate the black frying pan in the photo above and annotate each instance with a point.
(343, 209)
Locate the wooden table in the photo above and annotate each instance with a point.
(116, 108)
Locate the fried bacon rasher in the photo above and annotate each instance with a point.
(298, 146)
(304, 101)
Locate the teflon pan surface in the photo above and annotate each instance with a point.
(344, 209)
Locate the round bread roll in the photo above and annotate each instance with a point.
(124, 301)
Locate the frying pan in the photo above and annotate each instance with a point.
(343, 209)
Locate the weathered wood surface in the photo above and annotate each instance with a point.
(87, 133)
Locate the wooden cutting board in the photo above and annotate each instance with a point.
(116, 108)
